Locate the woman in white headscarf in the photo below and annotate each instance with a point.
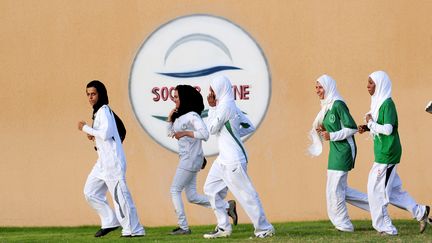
(384, 184)
(229, 170)
(335, 124)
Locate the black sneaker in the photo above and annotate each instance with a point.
(204, 164)
(105, 231)
(232, 212)
(131, 236)
(180, 231)
(425, 220)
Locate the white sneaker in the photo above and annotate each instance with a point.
(266, 234)
(217, 233)
(386, 234)
(345, 230)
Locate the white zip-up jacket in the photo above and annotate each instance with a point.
(111, 164)
(190, 149)
(228, 123)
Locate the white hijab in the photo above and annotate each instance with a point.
(383, 87)
(331, 94)
(222, 87)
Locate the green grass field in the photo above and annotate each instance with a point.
(317, 231)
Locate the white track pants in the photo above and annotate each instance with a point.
(125, 212)
(235, 178)
(384, 187)
(338, 193)
(186, 180)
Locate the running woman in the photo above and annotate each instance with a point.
(109, 172)
(229, 170)
(335, 124)
(384, 183)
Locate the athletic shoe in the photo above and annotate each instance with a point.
(345, 230)
(386, 234)
(217, 233)
(180, 231)
(266, 234)
(204, 163)
(232, 211)
(131, 236)
(425, 220)
(105, 231)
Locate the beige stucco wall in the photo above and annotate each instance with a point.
(51, 49)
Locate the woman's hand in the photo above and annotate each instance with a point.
(325, 135)
(320, 128)
(90, 137)
(362, 129)
(81, 125)
(322, 132)
(170, 114)
(211, 99)
(368, 118)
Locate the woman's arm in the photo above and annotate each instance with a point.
(246, 126)
(342, 134)
(200, 129)
(388, 111)
(105, 128)
(385, 129)
(216, 119)
(170, 129)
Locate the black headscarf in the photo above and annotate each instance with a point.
(102, 95)
(190, 100)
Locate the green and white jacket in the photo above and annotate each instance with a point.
(387, 146)
(342, 127)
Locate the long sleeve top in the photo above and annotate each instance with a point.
(190, 149)
(111, 163)
(387, 146)
(342, 127)
(229, 124)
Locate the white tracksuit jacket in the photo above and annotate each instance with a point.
(190, 149)
(111, 164)
(229, 124)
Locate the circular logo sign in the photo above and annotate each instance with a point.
(192, 50)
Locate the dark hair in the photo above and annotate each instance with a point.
(102, 94)
(190, 100)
